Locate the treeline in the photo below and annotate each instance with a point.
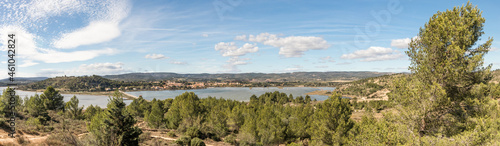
(110, 126)
(84, 83)
(271, 118)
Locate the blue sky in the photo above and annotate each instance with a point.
(85, 37)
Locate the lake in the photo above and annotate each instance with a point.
(85, 100)
(234, 93)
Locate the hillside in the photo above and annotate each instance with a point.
(82, 83)
(252, 77)
(374, 87)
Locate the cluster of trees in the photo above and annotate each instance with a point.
(267, 119)
(85, 83)
(110, 126)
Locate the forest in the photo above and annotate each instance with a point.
(450, 98)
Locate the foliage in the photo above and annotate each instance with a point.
(445, 67)
(155, 117)
(115, 126)
(91, 111)
(184, 140)
(332, 121)
(197, 142)
(73, 110)
(185, 107)
(52, 99)
(5, 108)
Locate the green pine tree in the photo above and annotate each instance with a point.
(52, 99)
(72, 108)
(155, 117)
(446, 62)
(332, 121)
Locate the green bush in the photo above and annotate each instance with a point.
(171, 134)
(184, 140)
(193, 132)
(197, 142)
(230, 139)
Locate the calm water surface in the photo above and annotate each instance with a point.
(85, 100)
(234, 93)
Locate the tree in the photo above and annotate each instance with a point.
(34, 106)
(5, 101)
(115, 126)
(138, 106)
(331, 121)
(155, 117)
(91, 111)
(185, 108)
(52, 99)
(72, 108)
(446, 63)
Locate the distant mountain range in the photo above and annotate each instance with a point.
(252, 77)
(21, 80)
(98, 83)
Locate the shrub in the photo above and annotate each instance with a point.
(230, 139)
(62, 139)
(197, 142)
(144, 137)
(22, 141)
(184, 140)
(193, 132)
(171, 134)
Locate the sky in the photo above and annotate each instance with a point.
(104, 37)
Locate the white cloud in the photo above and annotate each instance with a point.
(326, 59)
(98, 69)
(155, 56)
(204, 35)
(94, 33)
(32, 53)
(27, 63)
(241, 38)
(494, 49)
(374, 54)
(233, 62)
(52, 56)
(43, 8)
(294, 68)
(402, 43)
(230, 49)
(344, 63)
(292, 46)
(87, 69)
(105, 17)
(322, 66)
(178, 62)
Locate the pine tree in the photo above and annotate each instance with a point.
(446, 63)
(52, 99)
(72, 108)
(332, 121)
(155, 117)
(35, 107)
(5, 101)
(115, 126)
